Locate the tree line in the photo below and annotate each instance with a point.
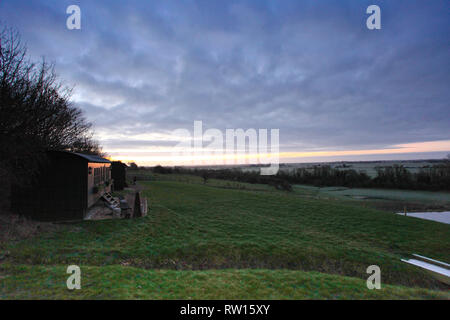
(436, 177)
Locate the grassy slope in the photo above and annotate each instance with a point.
(191, 226)
(118, 282)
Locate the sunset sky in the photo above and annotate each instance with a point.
(312, 69)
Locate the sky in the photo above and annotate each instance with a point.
(334, 89)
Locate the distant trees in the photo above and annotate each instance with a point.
(395, 176)
(162, 170)
(436, 177)
(133, 166)
(324, 175)
(35, 112)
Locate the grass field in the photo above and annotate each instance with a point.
(118, 282)
(383, 194)
(223, 240)
(368, 167)
(390, 200)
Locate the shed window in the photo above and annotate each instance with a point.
(102, 174)
(97, 175)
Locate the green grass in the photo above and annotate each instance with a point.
(390, 200)
(119, 282)
(191, 179)
(388, 194)
(193, 229)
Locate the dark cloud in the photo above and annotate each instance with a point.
(310, 68)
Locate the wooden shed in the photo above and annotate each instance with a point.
(118, 174)
(67, 185)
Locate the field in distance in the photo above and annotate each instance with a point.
(369, 167)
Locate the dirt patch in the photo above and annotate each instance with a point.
(14, 227)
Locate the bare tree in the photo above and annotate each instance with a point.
(35, 112)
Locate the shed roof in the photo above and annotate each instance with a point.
(92, 158)
(80, 156)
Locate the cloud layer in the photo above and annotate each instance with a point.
(310, 68)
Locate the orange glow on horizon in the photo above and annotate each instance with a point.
(210, 158)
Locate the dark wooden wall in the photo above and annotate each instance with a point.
(59, 192)
(118, 174)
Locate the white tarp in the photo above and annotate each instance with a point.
(429, 266)
(443, 217)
